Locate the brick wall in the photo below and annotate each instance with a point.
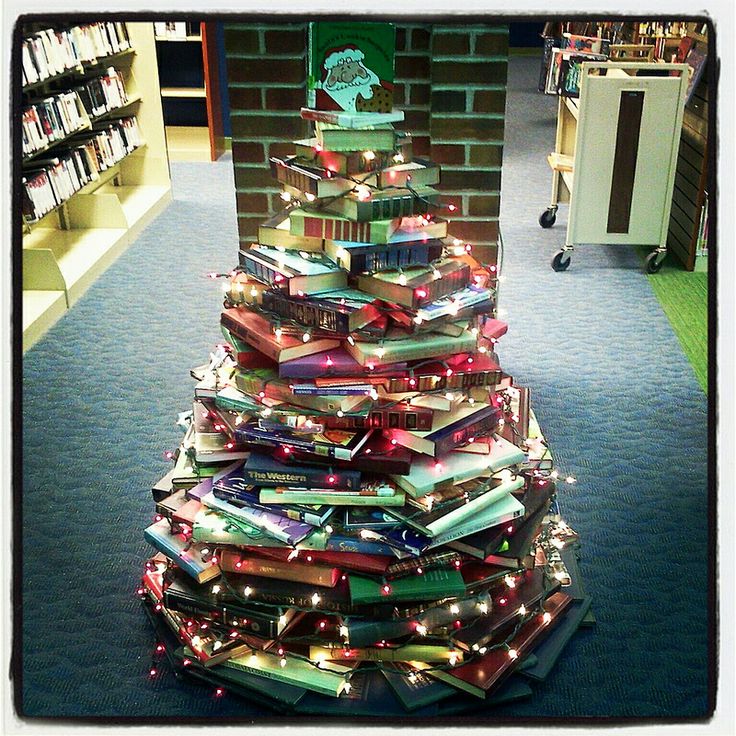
(450, 82)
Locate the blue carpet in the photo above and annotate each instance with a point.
(616, 398)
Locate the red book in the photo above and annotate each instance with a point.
(358, 562)
(479, 676)
(294, 570)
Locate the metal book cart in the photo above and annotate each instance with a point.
(616, 149)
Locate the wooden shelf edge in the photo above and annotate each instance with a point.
(183, 92)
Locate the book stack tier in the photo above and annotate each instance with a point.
(362, 515)
(94, 169)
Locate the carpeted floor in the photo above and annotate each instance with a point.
(617, 398)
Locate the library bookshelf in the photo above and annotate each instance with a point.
(68, 248)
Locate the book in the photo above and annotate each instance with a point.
(258, 333)
(281, 528)
(502, 511)
(333, 443)
(357, 258)
(316, 224)
(393, 350)
(696, 60)
(367, 495)
(351, 66)
(416, 287)
(530, 589)
(484, 673)
(449, 430)
(450, 512)
(336, 138)
(265, 471)
(433, 584)
(276, 232)
(299, 272)
(363, 205)
(188, 557)
(352, 163)
(414, 688)
(338, 310)
(352, 120)
(234, 562)
(440, 653)
(296, 671)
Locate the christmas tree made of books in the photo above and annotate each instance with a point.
(361, 517)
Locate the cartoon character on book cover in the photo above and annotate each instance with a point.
(352, 66)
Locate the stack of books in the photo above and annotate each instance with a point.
(362, 512)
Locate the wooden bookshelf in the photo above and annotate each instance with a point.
(67, 249)
(192, 111)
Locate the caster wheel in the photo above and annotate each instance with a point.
(561, 260)
(654, 262)
(547, 218)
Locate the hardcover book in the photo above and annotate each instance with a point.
(351, 66)
(276, 232)
(353, 163)
(265, 471)
(352, 120)
(357, 258)
(315, 224)
(374, 138)
(363, 205)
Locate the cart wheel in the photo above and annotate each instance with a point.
(561, 260)
(654, 262)
(547, 218)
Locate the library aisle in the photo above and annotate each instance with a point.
(613, 391)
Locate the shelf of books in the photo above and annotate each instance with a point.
(190, 90)
(94, 169)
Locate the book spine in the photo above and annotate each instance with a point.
(328, 497)
(293, 571)
(410, 566)
(306, 313)
(467, 529)
(383, 208)
(337, 229)
(294, 176)
(303, 389)
(460, 433)
(260, 342)
(304, 476)
(342, 543)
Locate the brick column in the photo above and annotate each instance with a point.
(450, 82)
(468, 80)
(266, 69)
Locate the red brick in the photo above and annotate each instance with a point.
(484, 205)
(421, 145)
(467, 128)
(281, 149)
(486, 155)
(286, 42)
(248, 226)
(399, 94)
(419, 94)
(489, 100)
(246, 152)
(448, 100)
(448, 44)
(462, 72)
(444, 153)
(492, 44)
(259, 177)
(470, 179)
(244, 98)
(420, 38)
(487, 253)
(291, 71)
(400, 39)
(286, 98)
(412, 67)
(251, 202)
(241, 41)
(416, 120)
(477, 231)
(268, 126)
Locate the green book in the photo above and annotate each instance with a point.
(427, 345)
(316, 224)
(433, 584)
(337, 498)
(295, 671)
(350, 66)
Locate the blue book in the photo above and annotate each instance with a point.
(349, 543)
(280, 528)
(264, 471)
(236, 489)
(185, 555)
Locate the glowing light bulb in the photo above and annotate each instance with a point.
(369, 155)
(380, 352)
(421, 629)
(402, 279)
(344, 632)
(306, 337)
(510, 582)
(522, 610)
(247, 591)
(310, 197)
(341, 253)
(483, 608)
(363, 193)
(570, 480)
(286, 196)
(216, 589)
(513, 654)
(278, 332)
(282, 661)
(547, 617)
(454, 609)
(315, 599)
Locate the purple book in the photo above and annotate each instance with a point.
(330, 363)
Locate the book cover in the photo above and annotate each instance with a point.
(316, 224)
(352, 120)
(433, 584)
(258, 333)
(276, 232)
(367, 495)
(414, 688)
(265, 471)
(374, 138)
(357, 258)
(363, 205)
(235, 562)
(351, 66)
(280, 528)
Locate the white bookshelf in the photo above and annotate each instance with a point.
(66, 251)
